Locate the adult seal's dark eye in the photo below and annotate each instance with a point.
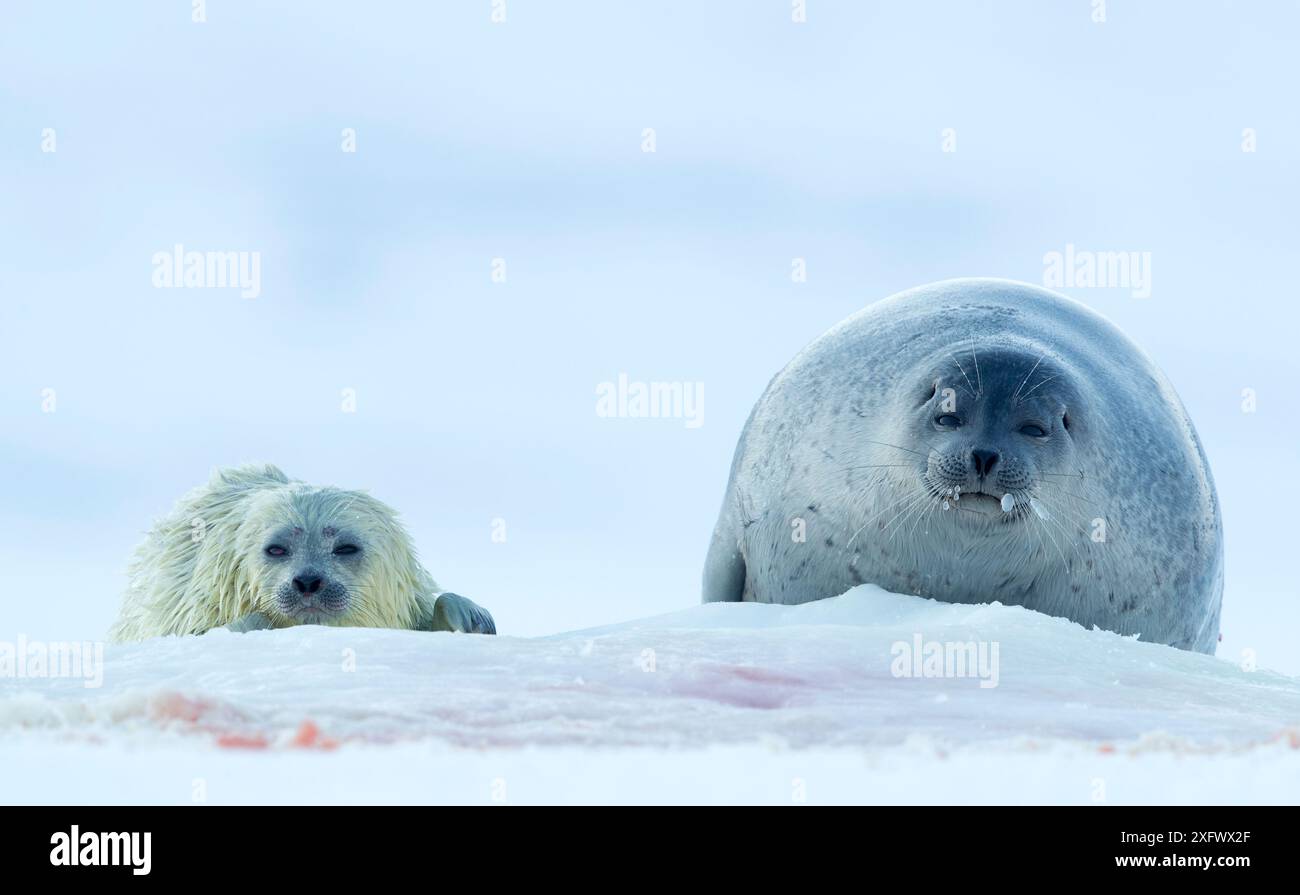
(948, 421)
(1033, 431)
(276, 550)
(346, 549)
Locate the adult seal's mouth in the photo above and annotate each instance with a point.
(970, 441)
(980, 498)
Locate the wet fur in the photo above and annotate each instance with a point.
(191, 576)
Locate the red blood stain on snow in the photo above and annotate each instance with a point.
(764, 676)
(309, 737)
(241, 741)
(1289, 737)
(742, 686)
(229, 726)
(167, 707)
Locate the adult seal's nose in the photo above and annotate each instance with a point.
(308, 583)
(984, 462)
(867, 397)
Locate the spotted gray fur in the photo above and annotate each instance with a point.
(848, 446)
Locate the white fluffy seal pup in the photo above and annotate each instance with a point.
(253, 549)
(977, 440)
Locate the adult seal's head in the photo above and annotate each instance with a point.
(971, 441)
(999, 444)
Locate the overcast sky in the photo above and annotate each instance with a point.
(475, 400)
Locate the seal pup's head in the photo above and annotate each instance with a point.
(994, 429)
(252, 541)
(328, 556)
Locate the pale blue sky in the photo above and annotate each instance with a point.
(523, 141)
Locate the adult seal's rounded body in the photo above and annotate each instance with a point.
(977, 440)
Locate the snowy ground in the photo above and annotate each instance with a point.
(734, 703)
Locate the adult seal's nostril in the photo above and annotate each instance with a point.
(984, 461)
(308, 583)
(855, 463)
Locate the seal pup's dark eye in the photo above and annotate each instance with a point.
(948, 421)
(346, 549)
(1065, 421)
(1033, 430)
(276, 550)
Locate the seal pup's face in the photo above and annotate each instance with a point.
(328, 556)
(314, 569)
(996, 427)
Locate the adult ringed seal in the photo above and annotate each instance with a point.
(977, 440)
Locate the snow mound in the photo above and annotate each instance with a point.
(729, 689)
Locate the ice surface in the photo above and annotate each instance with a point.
(722, 702)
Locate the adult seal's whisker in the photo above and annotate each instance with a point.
(1026, 478)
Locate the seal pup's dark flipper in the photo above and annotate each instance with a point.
(452, 612)
(254, 621)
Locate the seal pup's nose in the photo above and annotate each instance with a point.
(309, 583)
(984, 462)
